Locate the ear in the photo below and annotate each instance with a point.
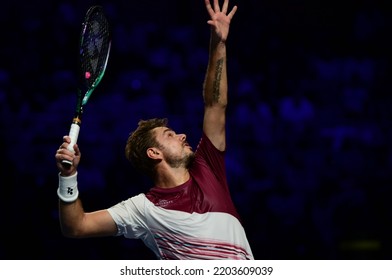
(153, 153)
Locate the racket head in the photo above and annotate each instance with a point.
(95, 44)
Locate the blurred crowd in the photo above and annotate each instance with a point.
(308, 156)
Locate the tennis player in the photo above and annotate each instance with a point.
(189, 212)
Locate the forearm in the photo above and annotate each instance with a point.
(215, 94)
(71, 217)
(215, 83)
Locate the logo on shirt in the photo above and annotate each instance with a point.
(164, 203)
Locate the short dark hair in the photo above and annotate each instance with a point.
(139, 141)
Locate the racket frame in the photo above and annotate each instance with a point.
(83, 98)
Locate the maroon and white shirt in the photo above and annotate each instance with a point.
(196, 220)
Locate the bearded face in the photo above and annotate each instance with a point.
(176, 151)
(177, 160)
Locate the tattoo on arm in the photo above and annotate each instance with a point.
(216, 83)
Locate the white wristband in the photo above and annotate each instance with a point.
(68, 188)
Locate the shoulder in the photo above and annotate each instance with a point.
(137, 202)
(205, 143)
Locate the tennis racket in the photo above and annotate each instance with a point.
(94, 50)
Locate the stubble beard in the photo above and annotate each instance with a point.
(185, 161)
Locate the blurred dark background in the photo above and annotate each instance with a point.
(309, 120)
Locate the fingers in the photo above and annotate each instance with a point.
(209, 8)
(67, 139)
(232, 12)
(66, 142)
(76, 149)
(225, 6)
(64, 153)
(216, 6)
(211, 11)
(215, 12)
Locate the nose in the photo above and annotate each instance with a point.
(182, 137)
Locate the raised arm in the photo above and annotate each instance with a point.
(74, 221)
(215, 83)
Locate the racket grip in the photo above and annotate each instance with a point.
(73, 134)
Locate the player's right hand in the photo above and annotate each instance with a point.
(64, 154)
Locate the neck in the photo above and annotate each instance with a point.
(171, 178)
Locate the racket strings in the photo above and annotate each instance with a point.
(95, 46)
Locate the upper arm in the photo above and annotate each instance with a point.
(101, 223)
(95, 224)
(214, 126)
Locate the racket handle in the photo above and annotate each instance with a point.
(73, 134)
